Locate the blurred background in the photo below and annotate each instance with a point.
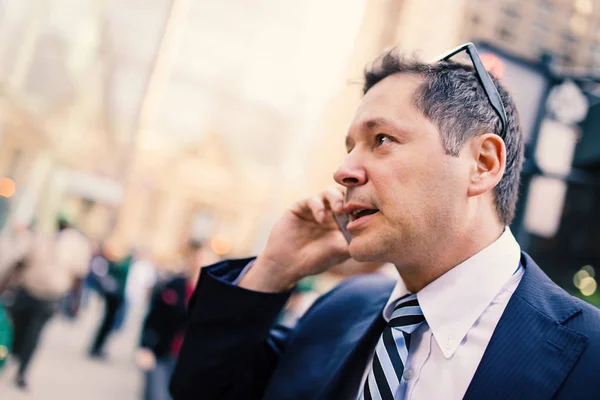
(149, 123)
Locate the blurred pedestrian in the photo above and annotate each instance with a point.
(6, 336)
(142, 279)
(14, 243)
(112, 288)
(50, 267)
(164, 326)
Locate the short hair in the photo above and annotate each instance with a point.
(452, 97)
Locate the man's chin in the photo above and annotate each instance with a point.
(361, 250)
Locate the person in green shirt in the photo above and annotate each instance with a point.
(6, 337)
(113, 291)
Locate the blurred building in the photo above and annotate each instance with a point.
(566, 29)
(156, 120)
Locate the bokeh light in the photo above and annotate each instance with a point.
(588, 286)
(7, 187)
(579, 277)
(590, 270)
(221, 244)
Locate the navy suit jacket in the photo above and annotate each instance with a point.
(545, 346)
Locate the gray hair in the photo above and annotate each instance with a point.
(453, 98)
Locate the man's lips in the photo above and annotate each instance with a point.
(362, 213)
(361, 220)
(358, 211)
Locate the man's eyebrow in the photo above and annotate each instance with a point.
(374, 123)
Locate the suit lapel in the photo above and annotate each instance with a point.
(329, 353)
(351, 359)
(351, 349)
(530, 352)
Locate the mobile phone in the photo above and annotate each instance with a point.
(342, 221)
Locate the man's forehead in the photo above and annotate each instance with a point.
(388, 99)
(396, 87)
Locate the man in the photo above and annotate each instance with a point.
(430, 183)
(49, 268)
(119, 261)
(164, 326)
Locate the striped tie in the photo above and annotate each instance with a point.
(391, 352)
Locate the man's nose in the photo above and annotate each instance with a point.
(350, 173)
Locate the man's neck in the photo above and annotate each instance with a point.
(420, 274)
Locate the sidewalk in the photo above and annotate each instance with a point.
(62, 371)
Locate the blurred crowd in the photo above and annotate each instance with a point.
(46, 276)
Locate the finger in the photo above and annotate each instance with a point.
(317, 207)
(311, 208)
(333, 197)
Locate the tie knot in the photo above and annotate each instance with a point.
(407, 315)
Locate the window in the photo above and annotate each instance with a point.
(569, 38)
(595, 56)
(540, 25)
(505, 34)
(546, 5)
(536, 49)
(566, 59)
(511, 11)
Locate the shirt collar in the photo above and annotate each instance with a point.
(455, 301)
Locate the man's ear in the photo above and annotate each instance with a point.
(489, 162)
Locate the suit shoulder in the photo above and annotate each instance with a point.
(587, 307)
(588, 320)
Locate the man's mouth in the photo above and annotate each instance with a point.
(361, 212)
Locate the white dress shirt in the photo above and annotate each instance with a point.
(461, 309)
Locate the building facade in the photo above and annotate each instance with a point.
(568, 30)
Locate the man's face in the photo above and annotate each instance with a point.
(411, 193)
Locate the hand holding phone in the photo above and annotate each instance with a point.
(342, 221)
(301, 243)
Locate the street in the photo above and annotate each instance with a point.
(61, 369)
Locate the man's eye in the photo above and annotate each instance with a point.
(381, 139)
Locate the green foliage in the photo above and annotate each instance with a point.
(593, 299)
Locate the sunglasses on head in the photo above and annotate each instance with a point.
(484, 78)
